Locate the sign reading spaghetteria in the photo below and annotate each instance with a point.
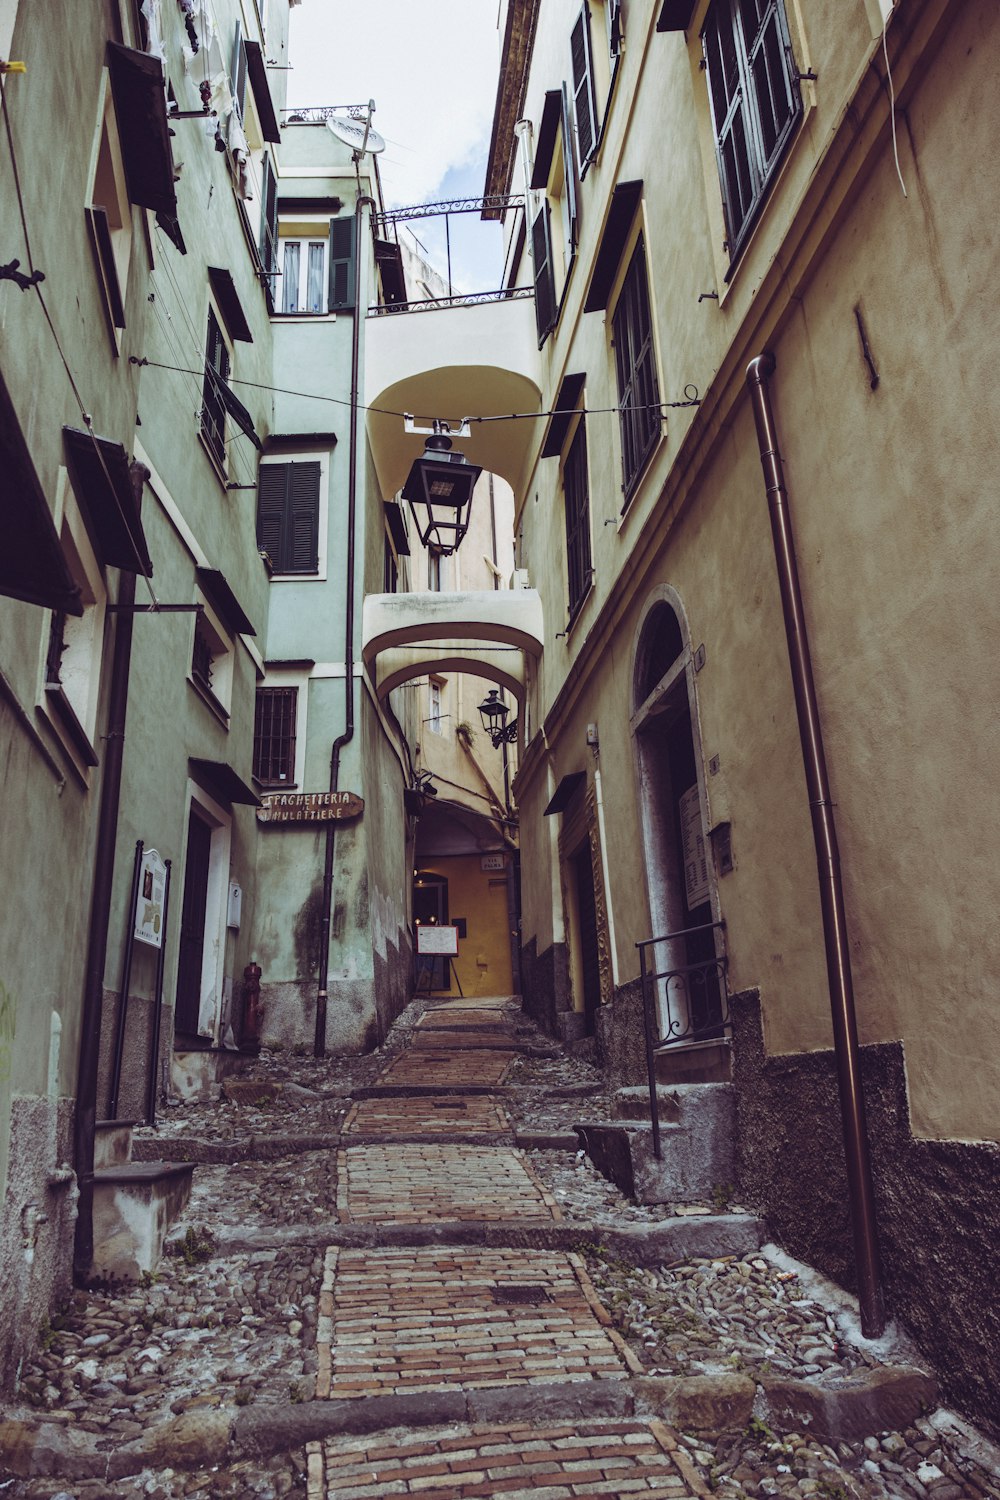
(309, 807)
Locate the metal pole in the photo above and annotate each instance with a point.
(838, 958)
(154, 1043)
(116, 1068)
(647, 1027)
(447, 240)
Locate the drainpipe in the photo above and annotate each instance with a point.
(322, 992)
(602, 835)
(85, 1117)
(838, 958)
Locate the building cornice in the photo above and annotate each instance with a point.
(515, 61)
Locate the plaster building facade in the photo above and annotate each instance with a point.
(709, 183)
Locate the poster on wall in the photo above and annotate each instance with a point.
(437, 940)
(693, 849)
(149, 900)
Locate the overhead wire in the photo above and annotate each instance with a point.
(85, 415)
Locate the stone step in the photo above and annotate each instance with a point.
(694, 1062)
(696, 1134)
(195, 1071)
(113, 1142)
(135, 1204)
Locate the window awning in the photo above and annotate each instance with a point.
(564, 793)
(230, 306)
(215, 586)
(219, 779)
(103, 486)
(33, 567)
(675, 15)
(397, 527)
(625, 201)
(257, 69)
(548, 129)
(139, 91)
(564, 410)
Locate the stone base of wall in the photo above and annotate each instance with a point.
(359, 1012)
(36, 1252)
(545, 987)
(937, 1202)
(621, 1042)
(135, 1055)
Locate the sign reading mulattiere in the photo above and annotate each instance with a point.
(309, 807)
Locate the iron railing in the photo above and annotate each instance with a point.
(318, 114)
(695, 998)
(460, 299)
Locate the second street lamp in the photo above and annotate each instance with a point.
(493, 711)
(439, 490)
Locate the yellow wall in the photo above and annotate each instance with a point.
(480, 896)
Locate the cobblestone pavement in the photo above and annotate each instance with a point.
(318, 1266)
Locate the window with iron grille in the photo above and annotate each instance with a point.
(274, 735)
(201, 657)
(288, 515)
(635, 368)
(576, 490)
(756, 102)
(213, 405)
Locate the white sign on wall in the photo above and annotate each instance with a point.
(695, 853)
(492, 862)
(149, 900)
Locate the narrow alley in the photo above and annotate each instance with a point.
(397, 1275)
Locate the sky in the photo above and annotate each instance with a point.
(432, 70)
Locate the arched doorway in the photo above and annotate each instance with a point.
(430, 908)
(679, 874)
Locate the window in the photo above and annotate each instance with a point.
(303, 276)
(211, 659)
(288, 515)
(756, 103)
(390, 568)
(274, 735)
(433, 571)
(555, 173)
(267, 244)
(576, 491)
(635, 368)
(434, 708)
(213, 411)
(109, 221)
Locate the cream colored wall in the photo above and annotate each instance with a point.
(480, 896)
(893, 498)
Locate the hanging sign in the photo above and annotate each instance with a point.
(695, 857)
(149, 900)
(435, 939)
(309, 807)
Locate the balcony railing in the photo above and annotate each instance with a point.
(460, 299)
(693, 999)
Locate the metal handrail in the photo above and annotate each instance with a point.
(460, 299)
(648, 979)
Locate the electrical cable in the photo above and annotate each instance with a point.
(892, 101)
(86, 418)
(514, 416)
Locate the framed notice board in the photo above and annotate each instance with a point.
(437, 940)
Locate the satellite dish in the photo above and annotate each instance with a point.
(358, 134)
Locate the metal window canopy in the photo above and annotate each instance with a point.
(440, 484)
(102, 484)
(141, 109)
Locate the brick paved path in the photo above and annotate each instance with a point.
(436, 1318)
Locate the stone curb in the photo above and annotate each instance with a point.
(707, 1237)
(270, 1148)
(849, 1409)
(546, 1140)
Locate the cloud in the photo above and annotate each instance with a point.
(431, 69)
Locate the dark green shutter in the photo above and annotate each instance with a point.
(615, 28)
(342, 267)
(268, 245)
(545, 290)
(288, 515)
(584, 100)
(238, 70)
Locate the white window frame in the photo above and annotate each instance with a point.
(292, 677)
(302, 227)
(120, 208)
(304, 243)
(309, 456)
(83, 635)
(435, 703)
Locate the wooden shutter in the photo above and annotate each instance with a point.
(545, 288)
(238, 70)
(342, 268)
(271, 487)
(614, 9)
(288, 515)
(268, 245)
(303, 518)
(576, 492)
(569, 173)
(584, 100)
(213, 422)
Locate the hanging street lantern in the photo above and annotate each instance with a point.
(439, 490)
(493, 711)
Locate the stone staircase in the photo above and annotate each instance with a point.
(135, 1202)
(696, 1139)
